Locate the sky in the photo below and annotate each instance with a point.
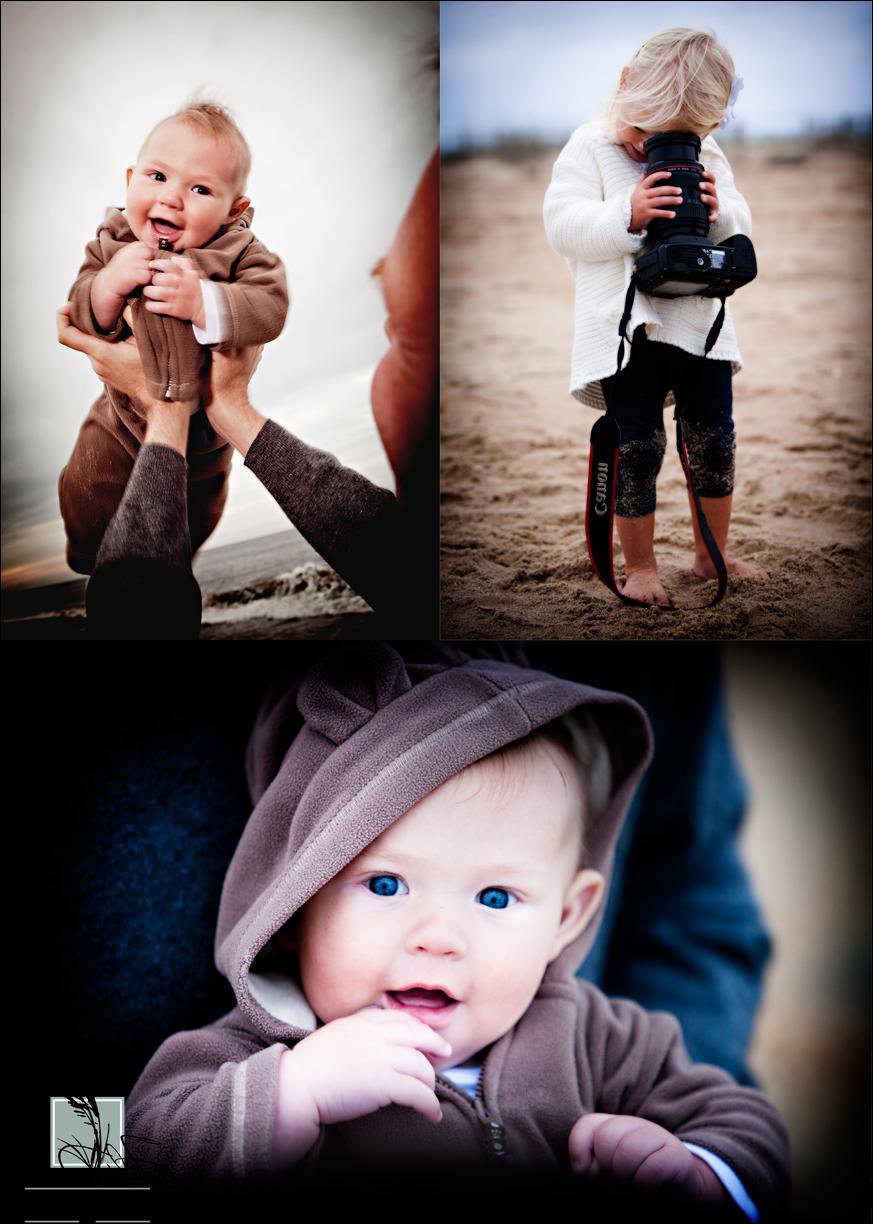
(341, 118)
(543, 68)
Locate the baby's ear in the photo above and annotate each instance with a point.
(238, 207)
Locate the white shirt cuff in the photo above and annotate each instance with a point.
(215, 329)
(728, 1179)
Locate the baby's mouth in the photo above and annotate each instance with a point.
(432, 1006)
(419, 997)
(164, 229)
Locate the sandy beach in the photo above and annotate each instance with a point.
(515, 444)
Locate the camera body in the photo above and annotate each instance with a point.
(678, 259)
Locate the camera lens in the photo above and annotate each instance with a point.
(678, 152)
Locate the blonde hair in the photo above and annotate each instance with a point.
(576, 736)
(678, 74)
(218, 121)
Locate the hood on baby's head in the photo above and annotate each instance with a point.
(339, 753)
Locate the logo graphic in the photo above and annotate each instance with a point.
(87, 1133)
(601, 484)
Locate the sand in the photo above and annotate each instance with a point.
(515, 444)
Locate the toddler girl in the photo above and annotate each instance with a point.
(599, 202)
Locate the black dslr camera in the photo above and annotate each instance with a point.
(678, 259)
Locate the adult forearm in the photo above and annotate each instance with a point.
(356, 526)
(105, 304)
(167, 424)
(237, 421)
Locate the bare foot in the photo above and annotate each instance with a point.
(736, 569)
(644, 584)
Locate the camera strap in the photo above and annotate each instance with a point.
(603, 482)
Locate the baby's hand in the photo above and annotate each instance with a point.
(632, 1149)
(709, 195)
(128, 268)
(653, 198)
(175, 290)
(351, 1067)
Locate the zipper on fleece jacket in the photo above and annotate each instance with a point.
(494, 1133)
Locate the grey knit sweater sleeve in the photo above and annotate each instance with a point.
(152, 518)
(356, 526)
(142, 586)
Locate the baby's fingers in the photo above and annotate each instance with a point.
(406, 1090)
(581, 1143)
(414, 1063)
(623, 1144)
(424, 1038)
(405, 1029)
(653, 178)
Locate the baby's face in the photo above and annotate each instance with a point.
(633, 138)
(472, 892)
(186, 180)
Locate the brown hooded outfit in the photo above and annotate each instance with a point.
(334, 759)
(255, 297)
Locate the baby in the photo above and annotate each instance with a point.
(181, 269)
(423, 872)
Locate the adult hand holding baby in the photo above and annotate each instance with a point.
(120, 366)
(635, 1150)
(226, 398)
(351, 1067)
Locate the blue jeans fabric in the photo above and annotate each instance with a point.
(682, 930)
(704, 398)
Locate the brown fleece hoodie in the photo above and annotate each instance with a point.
(253, 288)
(334, 759)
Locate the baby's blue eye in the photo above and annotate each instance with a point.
(496, 898)
(384, 885)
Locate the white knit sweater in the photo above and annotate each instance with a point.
(587, 211)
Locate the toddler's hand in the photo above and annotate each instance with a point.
(352, 1067)
(632, 1149)
(709, 196)
(175, 290)
(652, 198)
(128, 269)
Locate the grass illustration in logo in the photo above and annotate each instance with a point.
(81, 1138)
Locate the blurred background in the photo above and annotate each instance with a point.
(800, 722)
(537, 70)
(338, 102)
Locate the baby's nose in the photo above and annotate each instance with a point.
(437, 935)
(168, 194)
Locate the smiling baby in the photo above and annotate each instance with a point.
(180, 270)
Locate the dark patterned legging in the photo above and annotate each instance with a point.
(635, 398)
